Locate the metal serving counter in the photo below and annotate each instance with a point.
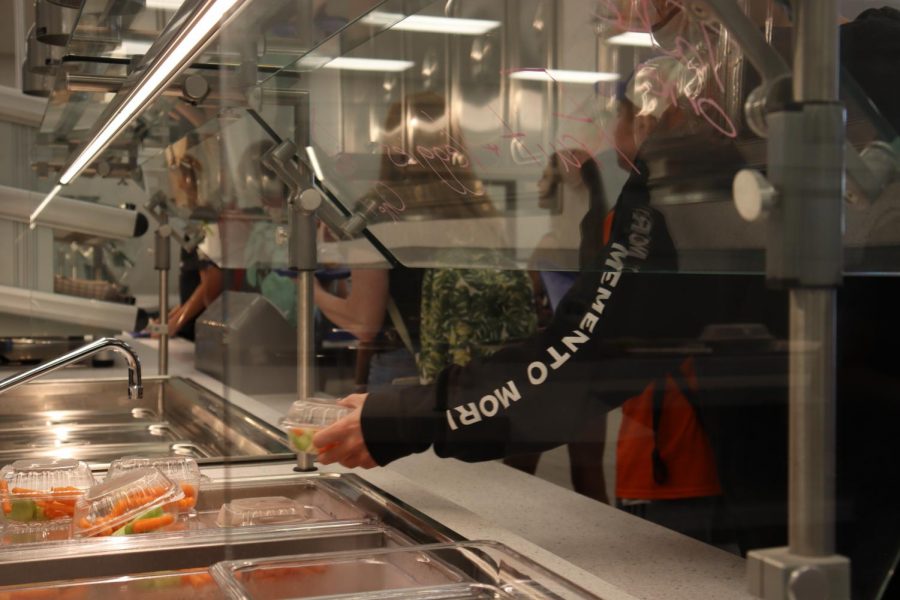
(340, 512)
(599, 548)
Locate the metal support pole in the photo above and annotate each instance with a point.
(164, 321)
(816, 51)
(806, 168)
(812, 422)
(305, 335)
(302, 255)
(163, 261)
(812, 315)
(303, 260)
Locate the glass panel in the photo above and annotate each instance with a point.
(488, 151)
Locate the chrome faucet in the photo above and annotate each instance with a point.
(135, 387)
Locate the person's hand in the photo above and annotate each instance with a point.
(342, 442)
(175, 320)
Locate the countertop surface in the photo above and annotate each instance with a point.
(607, 551)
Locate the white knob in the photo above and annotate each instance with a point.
(754, 196)
(310, 199)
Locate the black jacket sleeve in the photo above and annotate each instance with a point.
(537, 395)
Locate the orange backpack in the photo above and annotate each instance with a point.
(662, 451)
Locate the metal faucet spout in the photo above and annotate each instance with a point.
(135, 383)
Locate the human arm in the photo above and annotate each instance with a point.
(538, 394)
(211, 283)
(362, 311)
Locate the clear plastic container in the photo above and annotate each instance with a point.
(305, 418)
(269, 510)
(183, 470)
(193, 584)
(32, 533)
(465, 570)
(35, 492)
(140, 501)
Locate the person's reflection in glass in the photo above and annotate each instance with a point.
(572, 190)
(200, 280)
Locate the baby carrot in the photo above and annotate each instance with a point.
(197, 579)
(147, 525)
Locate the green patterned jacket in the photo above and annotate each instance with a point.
(470, 313)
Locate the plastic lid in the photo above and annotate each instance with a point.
(314, 413)
(44, 489)
(305, 417)
(183, 470)
(176, 468)
(140, 501)
(429, 572)
(262, 511)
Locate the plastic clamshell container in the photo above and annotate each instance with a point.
(141, 501)
(433, 572)
(195, 584)
(38, 492)
(305, 418)
(183, 470)
(269, 510)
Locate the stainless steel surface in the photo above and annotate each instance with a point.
(96, 421)
(34, 84)
(21, 350)
(812, 422)
(53, 23)
(42, 58)
(348, 514)
(178, 41)
(100, 558)
(66, 214)
(135, 389)
(431, 572)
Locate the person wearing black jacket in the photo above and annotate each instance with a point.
(489, 408)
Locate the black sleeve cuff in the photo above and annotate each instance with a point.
(396, 423)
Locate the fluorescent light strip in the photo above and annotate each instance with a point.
(172, 5)
(43, 205)
(368, 64)
(314, 161)
(426, 24)
(149, 86)
(632, 38)
(561, 76)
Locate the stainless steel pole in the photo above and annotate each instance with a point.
(163, 261)
(813, 319)
(164, 321)
(812, 422)
(305, 335)
(816, 50)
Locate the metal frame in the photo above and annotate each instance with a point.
(806, 168)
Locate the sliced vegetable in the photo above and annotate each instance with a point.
(148, 525)
(149, 521)
(301, 438)
(125, 530)
(21, 510)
